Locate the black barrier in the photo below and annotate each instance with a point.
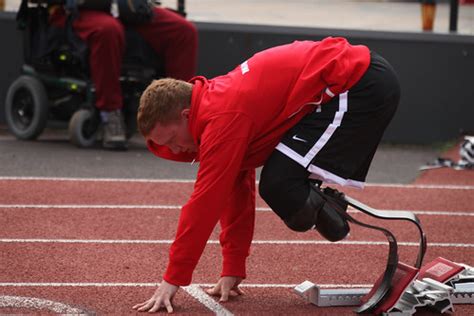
(453, 15)
(436, 71)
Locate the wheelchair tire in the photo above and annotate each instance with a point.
(26, 107)
(84, 127)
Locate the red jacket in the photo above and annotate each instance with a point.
(237, 120)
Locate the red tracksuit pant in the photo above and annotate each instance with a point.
(169, 34)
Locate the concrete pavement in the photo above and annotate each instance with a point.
(53, 156)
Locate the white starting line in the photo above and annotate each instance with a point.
(7, 301)
(178, 207)
(202, 297)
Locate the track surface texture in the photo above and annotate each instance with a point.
(99, 246)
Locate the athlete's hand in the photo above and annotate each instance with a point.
(227, 286)
(163, 297)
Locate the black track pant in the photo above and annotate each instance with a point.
(334, 144)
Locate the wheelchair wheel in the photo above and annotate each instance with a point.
(84, 127)
(26, 108)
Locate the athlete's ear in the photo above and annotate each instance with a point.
(185, 113)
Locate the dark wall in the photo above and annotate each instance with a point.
(436, 71)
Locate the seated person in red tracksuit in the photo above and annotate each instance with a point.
(168, 33)
(306, 110)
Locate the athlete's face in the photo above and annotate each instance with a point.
(175, 136)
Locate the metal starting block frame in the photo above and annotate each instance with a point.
(430, 293)
(452, 283)
(463, 285)
(330, 297)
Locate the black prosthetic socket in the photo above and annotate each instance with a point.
(305, 218)
(330, 223)
(320, 210)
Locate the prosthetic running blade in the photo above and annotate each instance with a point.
(384, 291)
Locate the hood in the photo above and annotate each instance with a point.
(166, 153)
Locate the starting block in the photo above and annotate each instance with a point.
(401, 289)
(453, 284)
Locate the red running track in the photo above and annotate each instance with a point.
(100, 246)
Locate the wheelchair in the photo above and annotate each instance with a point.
(55, 87)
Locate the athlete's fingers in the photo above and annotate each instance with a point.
(168, 306)
(214, 291)
(224, 295)
(146, 306)
(142, 304)
(139, 305)
(238, 290)
(156, 307)
(233, 293)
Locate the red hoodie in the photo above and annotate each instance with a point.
(237, 120)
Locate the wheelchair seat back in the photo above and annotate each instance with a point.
(49, 49)
(60, 52)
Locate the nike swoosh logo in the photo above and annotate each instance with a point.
(299, 139)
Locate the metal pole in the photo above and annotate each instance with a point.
(453, 15)
(181, 7)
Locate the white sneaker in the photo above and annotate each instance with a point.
(114, 131)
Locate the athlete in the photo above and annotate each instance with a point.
(309, 112)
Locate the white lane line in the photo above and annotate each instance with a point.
(255, 242)
(39, 304)
(202, 297)
(99, 284)
(421, 186)
(97, 179)
(91, 206)
(382, 185)
(438, 213)
(178, 207)
(90, 241)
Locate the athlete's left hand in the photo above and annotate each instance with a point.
(227, 286)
